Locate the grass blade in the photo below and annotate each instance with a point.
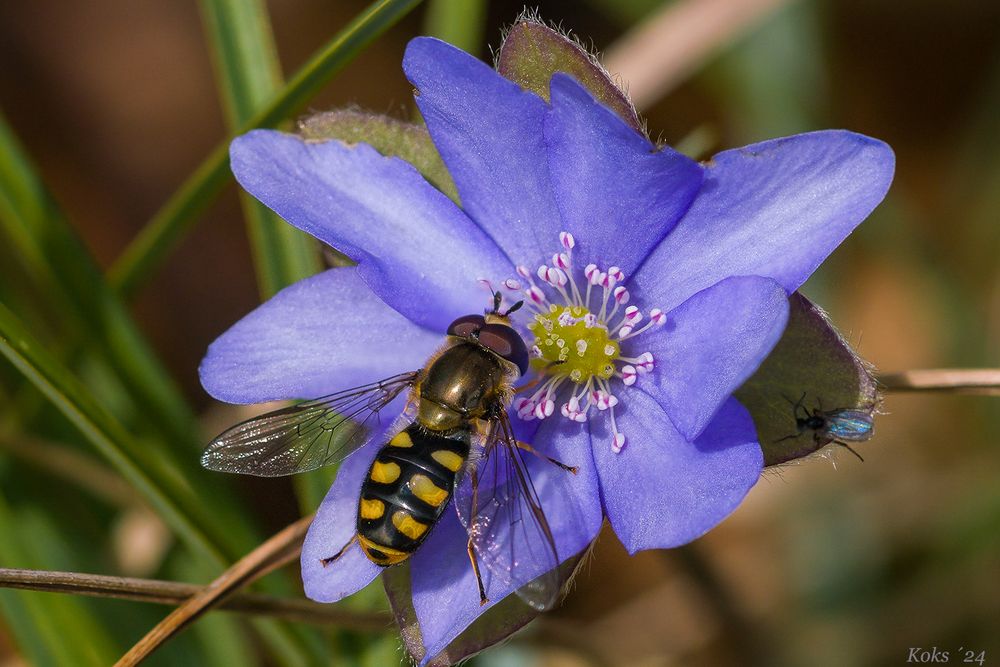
(173, 500)
(458, 22)
(144, 254)
(75, 288)
(248, 76)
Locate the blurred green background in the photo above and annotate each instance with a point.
(112, 104)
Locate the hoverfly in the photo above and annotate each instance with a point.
(455, 427)
(840, 426)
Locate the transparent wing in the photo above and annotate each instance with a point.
(849, 424)
(305, 436)
(499, 507)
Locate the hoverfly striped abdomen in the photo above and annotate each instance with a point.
(407, 490)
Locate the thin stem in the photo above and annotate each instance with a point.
(277, 551)
(951, 380)
(175, 593)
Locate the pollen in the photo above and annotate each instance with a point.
(570, 345)
(584, 333)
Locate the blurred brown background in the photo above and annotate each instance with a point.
(828, 562)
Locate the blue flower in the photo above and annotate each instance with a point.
(660, 282)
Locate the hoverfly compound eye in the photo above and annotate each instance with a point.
(466, 326)
(505, 343)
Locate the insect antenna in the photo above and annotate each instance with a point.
(514, 308)
(497, 299)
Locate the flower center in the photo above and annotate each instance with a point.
(568, 336)
(583, 333)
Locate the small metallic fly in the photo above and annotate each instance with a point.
(455, 427)
(840, 426)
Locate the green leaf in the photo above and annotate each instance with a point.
(177, 215)
(173, 500)
(249, 75)
(61, 265)
(810, 360)
(389, 136)
(495, 625)
(532, 52)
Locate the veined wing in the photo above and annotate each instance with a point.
(506, 523)
(849, 424)
(307, 435)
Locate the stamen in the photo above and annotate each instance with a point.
(576, 340)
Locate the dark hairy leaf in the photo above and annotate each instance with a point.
(389, 136)
(811, 362)
(532, 52)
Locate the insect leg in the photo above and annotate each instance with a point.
(331, 559)
(849, 448)
(479, 579)
(472, 552)
(528, 448)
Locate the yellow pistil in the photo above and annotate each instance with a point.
(583, 352)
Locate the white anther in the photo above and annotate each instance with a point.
(616, 274)
(525, 408)
(561, 260)
(545, 408)
(597, 278)
(632, 315)
(536, 295)
(600, 399)
(645, 363)
(567, 240)
(621, 295)
(574, 404)
(580, 417)
(523, 271)
(589, 271)
(624, 331)
(617, 443)
(542, 271)
(657, 317)
(553, 276)
(512, 284)
(629, 375)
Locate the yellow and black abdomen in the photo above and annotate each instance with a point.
(407, 490)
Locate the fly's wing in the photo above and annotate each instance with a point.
(305, 436)
(849, 425)
(508, 529)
